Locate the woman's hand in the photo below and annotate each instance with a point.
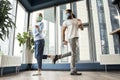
(36, 26)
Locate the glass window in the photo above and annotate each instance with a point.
(115, 25)
(102, 27)
(81, 12)
(4, 45)
(20, 28)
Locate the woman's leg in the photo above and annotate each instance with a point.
(39, 48)
(45, 57)
(48, 56)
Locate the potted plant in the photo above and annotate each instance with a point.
(26, 38)
(5, 20)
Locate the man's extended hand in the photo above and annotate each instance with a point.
(80, 25)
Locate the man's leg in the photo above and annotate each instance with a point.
(65, 55)
(74, 54)
(77, 51)
(61, 56)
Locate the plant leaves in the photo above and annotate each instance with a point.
(5, 21)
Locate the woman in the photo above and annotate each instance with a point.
(39, 42)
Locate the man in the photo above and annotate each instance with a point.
(39, 42)
(72, 24)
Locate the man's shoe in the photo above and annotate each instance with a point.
(75, 73)
(55, 59)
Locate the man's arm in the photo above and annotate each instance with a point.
(80, 25)
(63, 32)
(63, 35)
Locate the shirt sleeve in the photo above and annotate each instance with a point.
(64, 23)
(35, 31)
(41, 27)
(44, 28)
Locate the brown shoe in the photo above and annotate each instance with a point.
(75, 73)
(55, 59)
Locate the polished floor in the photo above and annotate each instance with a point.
(63, 75)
